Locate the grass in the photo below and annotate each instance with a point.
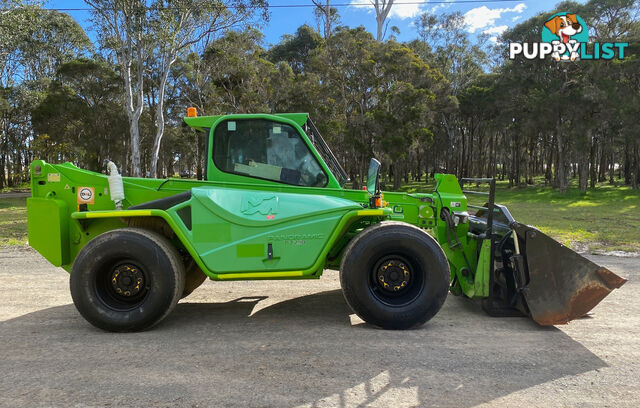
(21, 187)
(13, 221)
(602, 220)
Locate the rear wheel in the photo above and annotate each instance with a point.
(127, 280)
(394, 275)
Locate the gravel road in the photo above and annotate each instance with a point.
(243, 344)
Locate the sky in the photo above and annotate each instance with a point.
(481, 16)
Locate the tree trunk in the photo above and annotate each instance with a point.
(602, 170)
(636, 165)
(450, 137)
(561, 168)
(133, 114)
(612, 167)
(548, 175)
(627, 163)
(155, 151)
(592, 163)
(3, 161)
(397, 177)
(583, 172)
(326, 11)
(383, 7)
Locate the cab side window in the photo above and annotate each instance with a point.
(268, 150)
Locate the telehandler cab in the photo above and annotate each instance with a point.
(274, 206)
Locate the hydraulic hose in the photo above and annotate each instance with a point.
(451, 230)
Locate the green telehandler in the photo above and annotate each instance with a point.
(274, 206)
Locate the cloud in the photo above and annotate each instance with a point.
(495, 30)
(441, 6)
(403, 11)
(516, 18)
(400, 11)
(481, 17)
(362, 4)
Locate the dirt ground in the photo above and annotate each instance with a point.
(242, 344)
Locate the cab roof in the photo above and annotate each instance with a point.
(204, 122)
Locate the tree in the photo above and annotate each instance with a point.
(350, 84)
(179, 24)
(240, 79)
(122, 26)
(80, 118)
(33, 43)
(410, 95)
(327, 14)
(297, 50)
(445, 44)
(383, 8)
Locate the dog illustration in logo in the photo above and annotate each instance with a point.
(564, 27)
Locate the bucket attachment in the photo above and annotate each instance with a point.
(532, 274)
(561, 284)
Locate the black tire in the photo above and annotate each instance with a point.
(194, 277)
(411, 264)
(127, 280)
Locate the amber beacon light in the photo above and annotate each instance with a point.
(192, 112)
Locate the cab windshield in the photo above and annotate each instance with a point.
(267, 150)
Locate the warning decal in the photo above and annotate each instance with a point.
(86, 195)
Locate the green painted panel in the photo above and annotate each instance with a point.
(221, 231)
(204, 122)
(265, 209)
(48, 229)
(481, 281)
(250, 251)
(201, 122)
(296, 225)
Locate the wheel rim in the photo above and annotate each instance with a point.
(395, 281)
(122, 286)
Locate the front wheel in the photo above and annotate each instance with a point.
(394, 275)
(127, 280)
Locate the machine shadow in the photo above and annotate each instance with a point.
(303, 351)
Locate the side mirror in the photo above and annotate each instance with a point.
(373, 184)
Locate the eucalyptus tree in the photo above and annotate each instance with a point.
(33, 43)
(444, 43)
(382, 9)
(80, 119)
(406, 105)
(177, 25)
(350, 84)
(240, 78)
(327, 14)
(139, 33)
(297, 49)
(10, 32)
(123, 27)
(447, 46)
(49, 39)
